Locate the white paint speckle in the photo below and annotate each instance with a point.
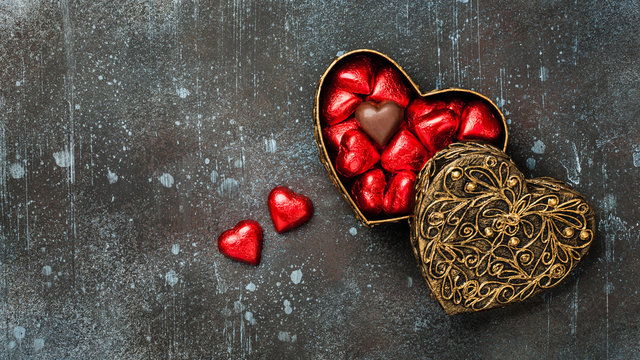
(228, 187)
(287, 307)
(574, 169)
(16, 170)
(610, 202)
(636, 156)
(353, 231)
(296, 276)
(544, 73)
(62, 158)
(249, 317)
(111, 176)
(214, 176)
(166, 180)
(206, 161)
(171, 278)
(286, 336)
(538, 147)
(531, 163)
(19, 332)
(251, 287)
(38, 344)
(237, 163)
(409, 281)
(12, 344)
(238, 306)
(270, 145)
(46, 270)
(183, 93)
(175, 249)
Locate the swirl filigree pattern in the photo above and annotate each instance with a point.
(486, 237)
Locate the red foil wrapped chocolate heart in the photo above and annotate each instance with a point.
(357, 154)
(456, 105)
(478, 123)
(338, 105)
(389, 85)
(399, 197)
(404, 152)
(288, 210)
(368, 191)
(333, 134)
(243, 242)
(420, 108)
(437, 130)
(355, 75)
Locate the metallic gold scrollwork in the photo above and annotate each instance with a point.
(485, 237)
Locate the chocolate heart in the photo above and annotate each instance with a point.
(334, 133)
(288, 210)
(485, 237)
(437, 129)
(357, 154)
(404, 152)
(243, 242)
(399, 198)
(368, 191)
(478, 123)
(380, 120)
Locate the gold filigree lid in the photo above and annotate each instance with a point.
(485, 237)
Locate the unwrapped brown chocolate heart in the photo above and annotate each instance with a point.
(485, 237)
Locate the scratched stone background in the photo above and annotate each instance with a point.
(133, 132)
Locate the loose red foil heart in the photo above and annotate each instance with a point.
(431, 121)
(357, 154)
(242, 243)
(288, 209)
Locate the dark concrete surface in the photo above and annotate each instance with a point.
(133, 132)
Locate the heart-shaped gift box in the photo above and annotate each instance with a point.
(482, 234)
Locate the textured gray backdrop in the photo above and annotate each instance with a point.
(133, 132)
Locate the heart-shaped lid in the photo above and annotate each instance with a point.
(485, 237)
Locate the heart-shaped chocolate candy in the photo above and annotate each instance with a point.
(486, 237)
(380, 120)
